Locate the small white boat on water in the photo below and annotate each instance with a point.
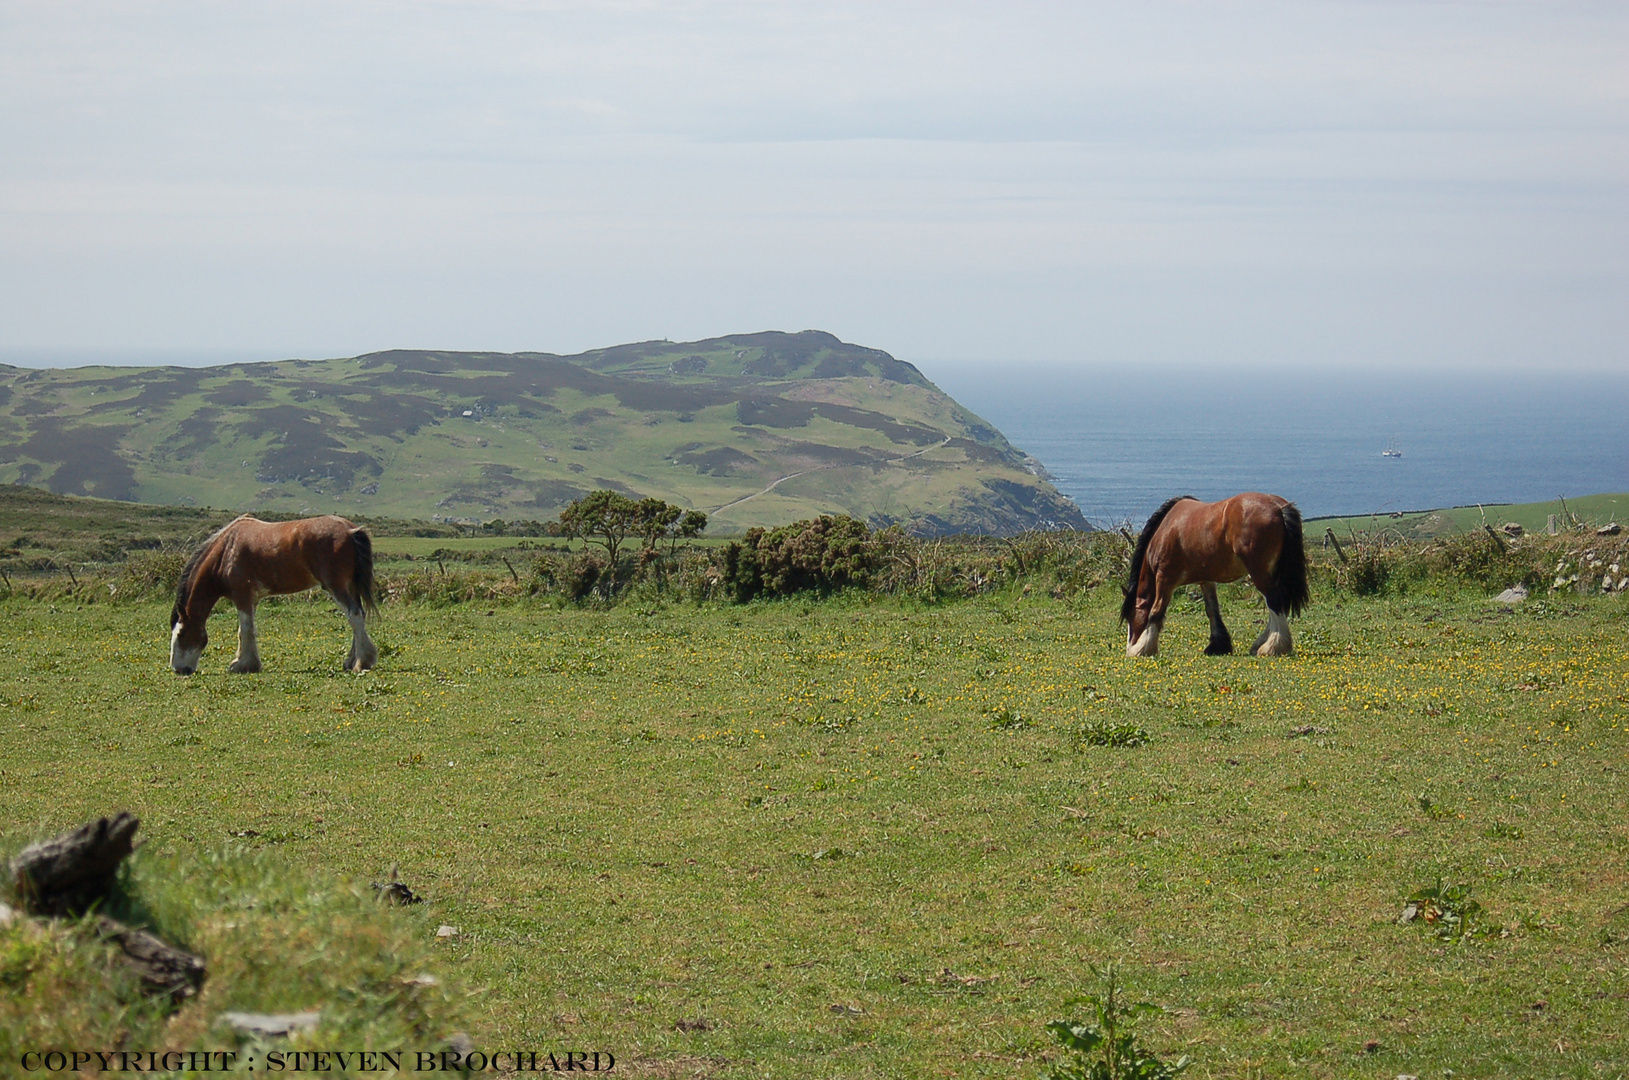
(1391, 451)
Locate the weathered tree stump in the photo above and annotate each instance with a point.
(67, 874)
(162, 968)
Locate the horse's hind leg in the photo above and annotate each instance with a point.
(1275, 637)
(364, 653)
(247, 661)
(1221, 642)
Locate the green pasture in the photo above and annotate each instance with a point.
(872, 838)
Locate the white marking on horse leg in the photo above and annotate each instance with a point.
(364, 653)
(183, 661)
(1275, 639)
(248, 658)
(1148, 644)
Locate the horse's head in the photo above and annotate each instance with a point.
(187, 641)
(1133, 614)
(1142, 629)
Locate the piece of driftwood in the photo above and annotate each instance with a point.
(67, 874)
(162, 968)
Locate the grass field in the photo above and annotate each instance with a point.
(869, 838)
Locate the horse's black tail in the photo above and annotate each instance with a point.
(1129, 606)
(1289, 593)
(362, 584)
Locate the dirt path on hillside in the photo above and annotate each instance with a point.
(825, 468)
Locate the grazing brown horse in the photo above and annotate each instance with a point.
(249, 559)
(1187, 541)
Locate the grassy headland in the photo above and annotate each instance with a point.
(754, 429)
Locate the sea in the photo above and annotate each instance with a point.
(1121, 442)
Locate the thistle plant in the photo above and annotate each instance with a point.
(1105, 1047)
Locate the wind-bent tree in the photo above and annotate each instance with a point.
(608, 518)
(692, 525)
(601, 517)
(656, 518)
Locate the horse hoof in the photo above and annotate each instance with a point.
(1219, 648)
(1274, 646)
(244, 669)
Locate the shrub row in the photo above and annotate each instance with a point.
(831, 554)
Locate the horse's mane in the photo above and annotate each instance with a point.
(183, 588)
(1129, 606)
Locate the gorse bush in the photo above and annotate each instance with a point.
(829, 554)
(821, 555)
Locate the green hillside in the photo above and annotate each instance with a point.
(756, 429)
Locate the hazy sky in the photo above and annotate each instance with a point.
(1418, 183)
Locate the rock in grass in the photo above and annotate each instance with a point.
(67, 874)
(271, 1025)
(1513, 595)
